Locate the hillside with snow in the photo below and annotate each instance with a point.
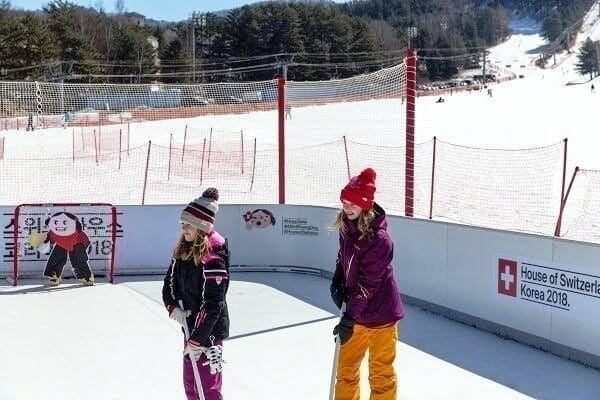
(519, 53)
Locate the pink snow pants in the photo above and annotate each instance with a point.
(211, 384)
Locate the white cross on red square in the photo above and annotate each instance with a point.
(507, 277)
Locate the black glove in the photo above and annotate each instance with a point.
(338, 293)
(344, 329)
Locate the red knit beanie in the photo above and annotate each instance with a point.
(361, 189)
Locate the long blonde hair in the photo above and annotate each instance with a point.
(197, 249)
(363, 223)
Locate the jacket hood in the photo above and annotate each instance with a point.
(215, 239)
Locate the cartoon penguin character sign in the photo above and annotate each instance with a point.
(65, 238)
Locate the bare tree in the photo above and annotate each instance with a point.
(120, 7)
(99, 5)
(386, 35)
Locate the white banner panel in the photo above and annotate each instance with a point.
(543, 283)
(258, 235)
(536, 285)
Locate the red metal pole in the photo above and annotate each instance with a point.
(411, 89)
(111, 274)
(16, 244)
(281, 120)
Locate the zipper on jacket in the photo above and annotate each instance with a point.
(349, 266)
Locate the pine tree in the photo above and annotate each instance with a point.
(173, 59)
(8, 27)
(73, 45)
(134, 52)
(34, 43)
(552, 26)
(589, 58)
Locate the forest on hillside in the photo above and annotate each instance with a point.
(306, 40)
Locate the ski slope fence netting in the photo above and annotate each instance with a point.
(581, 217)
(37, 105)
(518, 189)
(162, 143)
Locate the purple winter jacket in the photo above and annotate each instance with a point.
(365, 267)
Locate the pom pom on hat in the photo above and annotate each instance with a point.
(361, 189)
(201, 212)
(211, 193)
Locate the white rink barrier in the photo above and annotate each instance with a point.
(539, 290)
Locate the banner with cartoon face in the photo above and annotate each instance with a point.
(259, 218)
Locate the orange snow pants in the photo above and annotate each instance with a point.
(381, 343)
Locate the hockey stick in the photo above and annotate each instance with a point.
(186, 332)
(336, 357)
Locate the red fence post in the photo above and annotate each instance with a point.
(146, 173)
(411, 90)
(432, 178)
(96, 145)
(253, 166)
(184, 141)
(562, 190)
(209, 148)
(113, 238)
(281, 134)
(16, 249)
(170, 153)
(120, 147)
(242, 138)
(347, 159)
(202, 160)
(564, 203)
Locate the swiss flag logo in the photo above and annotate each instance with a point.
(507, 277)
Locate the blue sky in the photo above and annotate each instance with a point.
(174, 10)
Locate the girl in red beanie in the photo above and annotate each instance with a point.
(364, 283)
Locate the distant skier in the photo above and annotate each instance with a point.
(29, 123)
(66, 119)
(593, 88)
(440, 100)
(489, 92)
(288, 110)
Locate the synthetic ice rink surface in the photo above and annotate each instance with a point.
(116, 341)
